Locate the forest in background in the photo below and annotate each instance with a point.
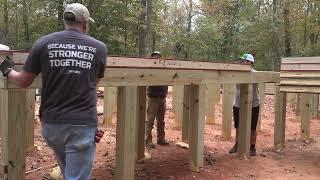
(203, 30)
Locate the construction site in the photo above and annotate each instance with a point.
(198, 122)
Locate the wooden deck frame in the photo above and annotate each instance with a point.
(127, 80)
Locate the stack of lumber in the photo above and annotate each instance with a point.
(301, 75)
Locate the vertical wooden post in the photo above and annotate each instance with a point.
(315, 104)
(306, 112)
(126, 133)
(109, 105)
(213, 96)
(30, 107)
(262, 94)
(280, 117)
(298, 105)
(197, 119)
(177, 105)
(227, 104)
(13, 132)
(245, 119)
(141, 119)
(186, 114)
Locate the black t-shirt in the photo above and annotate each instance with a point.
(70, 63)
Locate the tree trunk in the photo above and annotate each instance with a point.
(5, 31)
(142, 28)
(17, 26)
(60, 14)
(190, 9)
(305, 25)
(149, 39)
(26, 25)
(287, 35)
(275, 39)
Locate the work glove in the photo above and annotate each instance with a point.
(6, 65)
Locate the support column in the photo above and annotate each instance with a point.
(227, 104)
(213, 97)
(109, 105)
(13, 133)
(262, 94)
(306, 113)
(126, 133)
(177, 105)
(197, 120)
(186, 114)
(280, 117)
(245, 119)
(141, 121)
(30, 107)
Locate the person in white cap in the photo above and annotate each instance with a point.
(71, 64)
(156, 110)
(247, 59)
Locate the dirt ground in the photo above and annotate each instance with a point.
(298, 160)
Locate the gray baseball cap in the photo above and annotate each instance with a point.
(80, 12)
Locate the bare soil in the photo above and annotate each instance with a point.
(298, 160)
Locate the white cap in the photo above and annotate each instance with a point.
(4, 47)
(80, 12)
(247, 57)
(156, 52)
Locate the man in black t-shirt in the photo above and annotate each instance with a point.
(156, 109)
(71, 64)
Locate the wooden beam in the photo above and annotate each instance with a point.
(126, 133)
(13, 133)
(298, 60)
(146, 77)
(245, 119)
(227, 104)
(197, 119)
(262, 94)
(134, 62)
(213, 97)
(280, 117)
(141, 120)
(315, 105)
(299, 82)
(186, 114)
(306, 101)
(30, 108)
(300, 74)
(177, 104)
(300, 89)
(300, 67)
(109, 105)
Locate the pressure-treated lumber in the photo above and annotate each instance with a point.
(126, 133)
(186, 114)
(13, 133)
(306, 101)
(141, 119)
(146, 77)
(262, 94)
(177, 104)
(300, 89)
(20, 58)
(280, 117)
(245, 119)
(213, 97)
(109, 105)
(300, 67)
(30, 108)
(227, 104)
(197, 121)
(301, 60)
